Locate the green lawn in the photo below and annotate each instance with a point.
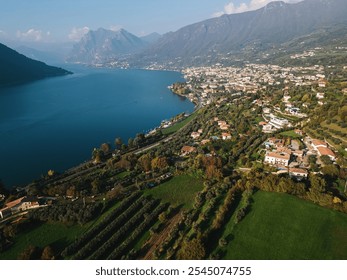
(281, 226)
(54, 234)
(179, 125)
(180, 190)
(291, 134)
(122, 175)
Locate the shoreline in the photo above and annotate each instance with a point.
(13, 185)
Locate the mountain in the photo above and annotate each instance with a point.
(44, 56)
(104, 45)
(254, 31)
(151, 38)
(16, 68)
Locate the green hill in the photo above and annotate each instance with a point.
(280, 226)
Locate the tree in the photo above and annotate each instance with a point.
(192, 250)
(130, 142)
(118, 143)
(48, 253)
(97, 155)
(326, 160)
(105, 148)
(30, 253)
(331, 170)
(145, 162)
(96, 186)
(317, 183)
(159, 163)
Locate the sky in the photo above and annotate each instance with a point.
(68, 20)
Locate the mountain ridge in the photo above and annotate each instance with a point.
(102, 45)
(262, 29)
(16, 68)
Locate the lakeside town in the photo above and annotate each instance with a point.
(255, 129)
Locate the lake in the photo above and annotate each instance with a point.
(55, 123)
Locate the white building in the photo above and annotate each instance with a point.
(279, 122)
(275, 158)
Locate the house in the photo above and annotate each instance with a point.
(224, 127)
(195, 135)
(267, 128)
(21, 204)
(279, 122)
(278, 143)
(298, 173)
(321, 83)
(277, 158)
(187, 150)
(299, 132)
(318, 143)
(205, 141)
(226, 136)
(324, 151)
(221, 123)
(320, 95)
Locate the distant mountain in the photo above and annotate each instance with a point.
(151, 38)
(104, 45)
(250, 32)
(44, 56)
(16, 68)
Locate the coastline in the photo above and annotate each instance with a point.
(168, 107)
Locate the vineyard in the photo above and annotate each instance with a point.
(114, 236)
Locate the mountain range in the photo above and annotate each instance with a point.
(269, 27)
(16, 68)
(242, 35)
(106, 45)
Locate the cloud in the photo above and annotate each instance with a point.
(77, 33)
(231, 8)
(33, 35)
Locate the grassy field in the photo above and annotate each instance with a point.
(53, 234)
(280, 226)
(291, 134)
(179, 191)
(179, 125)
(122, 175)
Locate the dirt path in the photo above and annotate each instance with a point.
(159, 238)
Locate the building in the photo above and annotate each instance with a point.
(21, 204)
(277, 158)
(324, 151)
(279, 122)
(195, 135)
(298, 173)
(226, 136)
(318, 143)
(187, 150)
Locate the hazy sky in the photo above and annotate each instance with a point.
(68, 20)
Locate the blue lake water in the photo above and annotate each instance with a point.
(55, 123)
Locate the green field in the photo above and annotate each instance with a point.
(53, 234)
(291, 134)
(178, 126)
(281, 226)
(179, 191)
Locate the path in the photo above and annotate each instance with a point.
(159, 238)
